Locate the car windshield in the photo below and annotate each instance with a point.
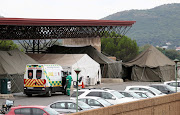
(83, 105)
(142, 94)
(170, 88)
(155, 91)
(104, 102)
(117, 94)
(149, 94)
(51, 111)
(135, 95)
(79, 93)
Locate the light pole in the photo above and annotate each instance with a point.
(77, 72)
(176, 61)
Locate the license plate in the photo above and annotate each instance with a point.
(30, 87)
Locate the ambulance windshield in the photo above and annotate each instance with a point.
(38, 74)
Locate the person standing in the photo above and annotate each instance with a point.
(68, 83)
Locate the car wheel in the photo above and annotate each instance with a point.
(29, 95)
(49, 93)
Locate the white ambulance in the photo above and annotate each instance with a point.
(43, 79)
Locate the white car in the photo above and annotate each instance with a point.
(173, 84)
(131, 94)
(152, 90)
(143, 94)
(112, 96)
(95, 102)
(69, 106)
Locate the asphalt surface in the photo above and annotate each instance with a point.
(22, 99)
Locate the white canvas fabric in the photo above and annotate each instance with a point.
(86, 64)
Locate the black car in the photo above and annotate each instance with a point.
(163, 88)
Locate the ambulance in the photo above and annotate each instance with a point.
(43, 79)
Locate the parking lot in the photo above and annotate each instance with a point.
(21, 99)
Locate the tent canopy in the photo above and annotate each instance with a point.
(12, 66)
(109, 67)
(151, 65)
(70, 62)
(14, 62)
(150, 58)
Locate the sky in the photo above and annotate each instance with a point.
(73, 9)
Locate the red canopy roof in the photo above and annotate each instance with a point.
(63, 22)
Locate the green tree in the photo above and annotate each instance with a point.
(7, 45)
(122, 48)
(170, 53)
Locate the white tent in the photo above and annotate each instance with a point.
(70, 62)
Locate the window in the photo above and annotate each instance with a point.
(38, 74)
(161, 88)
(142, 94)
(126, 94)
(106, 95)
(143, 89)
(71, 106)
(58, 105)
(23, 111)
(135, 88)
(94, 93)
(83, 100)
(36, 111)
(93, 102)
(79, 93)
(30, 74)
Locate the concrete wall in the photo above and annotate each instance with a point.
(95, 42)
(164, 105)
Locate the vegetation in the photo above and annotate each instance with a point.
(122, 48)
(7, 45)
(155, 26)
(170, 53)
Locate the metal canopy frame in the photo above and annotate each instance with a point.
(32, 34)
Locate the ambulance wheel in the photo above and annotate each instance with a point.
(29, 95)
(49, 93)
(64, 92)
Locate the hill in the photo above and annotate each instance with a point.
(155, 26)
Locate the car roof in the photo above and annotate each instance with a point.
(139, 91)
(171, 81)
(157, 84)
(65, 101)
(30, 106)
(90, 97)
(137, 86)
(94, 89)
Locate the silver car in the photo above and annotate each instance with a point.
(69, 106)
(95, 102)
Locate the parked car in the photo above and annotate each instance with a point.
(173, 84)
(111, 96)
(145, 88)
(68, 106)
(131, 94)
(95, 102)
(143, 94)
(32, 110)
(164, 88)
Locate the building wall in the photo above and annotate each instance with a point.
(163, 105)
(95, 42)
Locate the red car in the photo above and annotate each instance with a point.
(32, 110)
